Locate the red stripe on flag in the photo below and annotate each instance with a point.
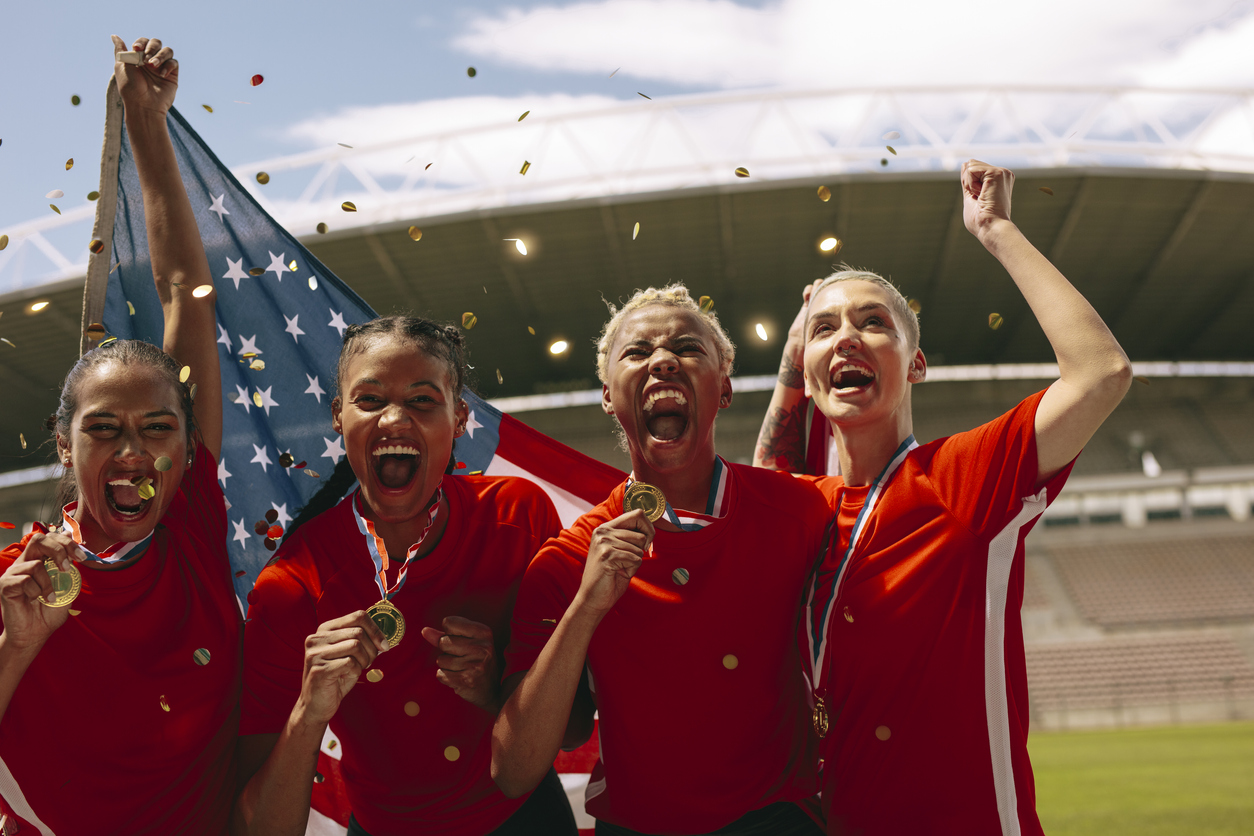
(329, 797)
(554, 462)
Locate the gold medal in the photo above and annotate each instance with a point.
(66, 585)
(820, 718)
(389, 621)
(647, 498)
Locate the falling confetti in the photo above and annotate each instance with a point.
(54, 208)
(75, 612)
(130, 306)
(825, 194)
(96, 246)
(202, 291)
(256, 271)
(201, 656)
(241, 573)
(7, 342)
(257, 399)
(146, 490)
(69, 163)
(995, 321)
(272, 516)
(322, 229)
(1047, 190)
(93, 195)
(526, 165)
(343, 144)
(163, 463)
(260, 526)
(469, 320)
(742, 172)
(54, 194)
(499, 378)
(531, 331)
(650, 98)
(313, 282)
(415, 233)
(75, 100)
(891, 135)
(257, 79)
(7, 526)
(312, 474)
(95, 332)
(192, 393)
(185, 373)
(427, 166)
(22, 438)
(374, 675)
(524, 116)
(915, 306)
(274, 532)
(615, 72)
(263, 178)
(348, 206)
(472, 72)
(257, 364)
(891, 150)
(1141, 379)
(4, 241)
(883, 161)
(706, 304)
(207, 107)
(635, 231)
(285, 460)
(291, 265)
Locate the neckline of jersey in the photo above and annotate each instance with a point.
(689, 540)
(444, 551)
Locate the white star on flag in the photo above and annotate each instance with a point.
(284, 518)
(241, 533)
(261, 457)
(223, 475)
(249, 346)
(243, 398)
(266, 400)
(314, 389)
(235, 270)
(224, 338)
(294, 329)
(218, 207)
(334, 449)
(337, 322)
(472, 424)
(277, 265)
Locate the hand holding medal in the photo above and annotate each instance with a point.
(36, 590)
(335, 658)
(617, 550)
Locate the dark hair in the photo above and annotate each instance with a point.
(437, 339)
(125, 353)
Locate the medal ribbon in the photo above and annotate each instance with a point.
(115, 553)
(819, 619)
(715, 506)
(379, 551)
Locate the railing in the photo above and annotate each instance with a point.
(1113, 703)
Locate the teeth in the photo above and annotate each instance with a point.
(396, 450)
(658, 395)
(121, 482)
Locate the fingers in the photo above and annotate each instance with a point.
(59, 547)
(357, 619)
(119, 45)
(455, 625)
(35, 582)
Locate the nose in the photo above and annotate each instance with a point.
(847, 339)
(663, 362)
(130, 447)
(394, 415)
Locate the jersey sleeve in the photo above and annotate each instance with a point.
(548, 587)
(982, 474)
(200, 504)
(281, 614)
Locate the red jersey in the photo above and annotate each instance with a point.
(702, 709)
(415, 756)
(925, 676)
(126, 720)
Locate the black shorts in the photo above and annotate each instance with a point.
(784, 818)
(546, 812)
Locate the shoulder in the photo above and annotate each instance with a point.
(295, 572)
(572, 543)
(512, 490)
(1016, 422)
(787, 492)
(9, 554)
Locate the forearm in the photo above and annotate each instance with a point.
(781, 441)
(13, 665)
(276, 799)
(533, 723)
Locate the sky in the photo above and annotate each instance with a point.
(356, 72)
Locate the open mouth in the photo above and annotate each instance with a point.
(666, 414)
(396, 465)
(853, 377)
(124, 497)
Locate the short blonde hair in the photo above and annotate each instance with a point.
(901, 307)
(676, 296)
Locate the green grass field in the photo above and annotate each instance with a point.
(1171, 781)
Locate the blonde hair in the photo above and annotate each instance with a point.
(676, 296)
(901, 308)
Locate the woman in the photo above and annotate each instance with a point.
(912, 637)
(685, 624)
(332, 632)
(119, 690)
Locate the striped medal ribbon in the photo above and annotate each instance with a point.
(715, 506)
(379, 551)
(818, 618)
(115, 553)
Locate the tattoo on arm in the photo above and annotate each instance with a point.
(790, 375)
(781, 444)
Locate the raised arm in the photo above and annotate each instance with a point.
(1094, 372)
(179, 265)
(781, 441)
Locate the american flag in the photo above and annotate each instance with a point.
(277, 304)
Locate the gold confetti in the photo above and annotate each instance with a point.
(285, 460)
(1047, 190)
(257, 364)
(531, 331)
(163, 463)
(427, 166)
(706, 304)
(742, 172)
(915, 306)
(883, 161)
(1140, 378)
(165, 706)
(848, 615)
(635, 231)
(680, 576)
(415, 233)
(348, 206)
(185, 373)
(291, 265)
(883, 732)
(374, 675)
(96, 246)
(650, 98)
(202, 291)
(994, 321)
(322, 229)
(257, 79)
(825, 194)
(615, 72)
(207, 107)
(22, 438)
(469, 320)
(201, 656)
(890, 136)
(69, 163)
(263, 178)
(54, 194)
(472, 72)
(313, 282)
(192, 393)
(8, 341)
(499, 379)
(730, 662)
(257, 399)
(93, 195)
(95, 332)
(256, 271)
(452, 753)
(411, 708)
(891, 150)
(312, 473)
(524, 116)
(526, 165)
(54, 208)
(344, 145)
(4, 241)
(76, 101)
(146, 490)
(76, 612)
(130, 306)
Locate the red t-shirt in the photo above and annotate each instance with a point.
(701, 702)
(117, 727)
(925, 677)
(397, 775)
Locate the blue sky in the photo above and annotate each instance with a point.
(321, 59)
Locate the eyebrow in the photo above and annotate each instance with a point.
(415, 385)
(869, 306)
(682, 338)
(158, 413)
